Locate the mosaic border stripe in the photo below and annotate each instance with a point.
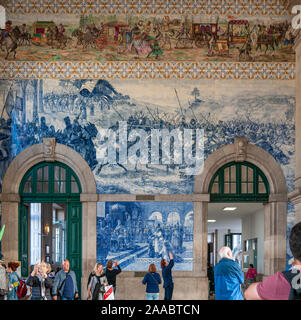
(131, 7)
(148, 70)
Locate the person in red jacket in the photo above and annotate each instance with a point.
(251, 275)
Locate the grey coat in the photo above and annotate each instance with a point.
(93, 282)
(59, 278)
(3, 279)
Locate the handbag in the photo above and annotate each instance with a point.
(3, 292)
(154, 278)
(61, 286)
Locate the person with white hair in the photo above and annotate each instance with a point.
(228, 277)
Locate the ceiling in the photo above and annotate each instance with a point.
(230, 219)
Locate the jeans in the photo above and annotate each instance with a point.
(168, 292)
(64, 298)
(152, 296)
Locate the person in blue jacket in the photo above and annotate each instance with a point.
(167, 276)
(152, 280)
(228, 277)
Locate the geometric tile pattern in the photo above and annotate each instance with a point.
(148, 70)
(152, 7)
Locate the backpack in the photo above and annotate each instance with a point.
(97, 289)
(295, 293)
(22, 289)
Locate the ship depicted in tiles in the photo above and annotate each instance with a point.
(89, 37)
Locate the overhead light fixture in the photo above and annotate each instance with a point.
(229, 208)
(47, 229)
(211, 221)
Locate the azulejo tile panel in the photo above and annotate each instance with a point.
(240, 7)
(148, 70)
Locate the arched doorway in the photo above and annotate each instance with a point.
(51, 152)
(50, 217)
(274, 198)
(238, 191)
(239, 181)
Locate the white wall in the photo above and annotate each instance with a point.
(253, 227)
(221, 239)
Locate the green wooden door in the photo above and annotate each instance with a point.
(23, 238)
(52, 182)
(74, 239)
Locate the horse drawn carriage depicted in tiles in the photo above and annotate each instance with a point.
(40, 32)
(236, 34)
(113, 33)
(237, 31)
(202, 33)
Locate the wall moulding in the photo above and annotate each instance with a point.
(149, 70)
(271, 7)
(154, 198)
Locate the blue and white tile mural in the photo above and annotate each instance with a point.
(76, 113)
(139, 233)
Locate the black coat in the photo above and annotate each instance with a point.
(35, 283)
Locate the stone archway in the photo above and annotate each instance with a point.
(49, 151)
(275, 211)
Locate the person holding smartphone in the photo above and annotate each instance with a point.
(40, 283)
(112, 273)
(167, 276)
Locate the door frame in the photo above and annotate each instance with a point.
(49, 151)
(275, 210)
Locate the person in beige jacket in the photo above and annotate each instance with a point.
(3, 281)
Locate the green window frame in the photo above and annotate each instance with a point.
(50, 181)
(239, 182)
(228, 241)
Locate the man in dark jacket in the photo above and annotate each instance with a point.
(65, 283)
(228, 277)
(167, 276)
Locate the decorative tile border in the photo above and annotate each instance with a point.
(148, 70)
(170, 7)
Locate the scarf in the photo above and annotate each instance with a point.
(43, 287)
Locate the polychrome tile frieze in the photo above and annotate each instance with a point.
(241, 7)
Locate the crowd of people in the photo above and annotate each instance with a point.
(44, 283)
(285, 285)
(227, 276)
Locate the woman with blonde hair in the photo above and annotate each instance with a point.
(40, 283)
(96, 287)
(152, 280)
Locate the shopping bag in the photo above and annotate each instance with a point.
(109, 294)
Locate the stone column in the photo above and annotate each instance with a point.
(10, 215)
(274, 236)
(215, 245)
(295, 196)
(200, 241)
(89, 237)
